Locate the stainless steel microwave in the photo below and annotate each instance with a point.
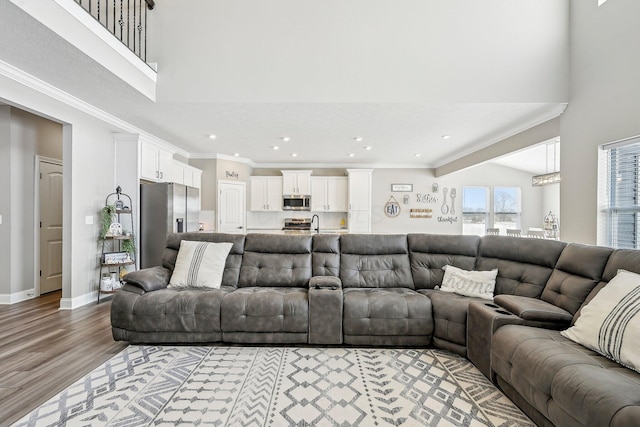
(296, 202)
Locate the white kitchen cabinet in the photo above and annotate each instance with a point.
(329, 194)
(183, 173)
(360, 181)
(296, 182)
(197, 178)
(177, 172)
(156, 164)
(266, 193)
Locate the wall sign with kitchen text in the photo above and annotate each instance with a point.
(392, 208)
(231, 174)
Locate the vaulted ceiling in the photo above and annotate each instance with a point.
(401, 75)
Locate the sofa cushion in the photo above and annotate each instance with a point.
(234, 259)
(387, 312)
(450, 318)
(625, 259)
(269, 310)
(566, 382)
(169, 310)
(610, 323)
(578, 271)
(325, 257)
(276, 261)
(478, 284)
(524, 265)
(199, 265)
(375, 261)
(430, 252)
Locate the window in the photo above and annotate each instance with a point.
(506, 208)
(618, 192)
(475, 210)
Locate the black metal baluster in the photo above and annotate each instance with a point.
(128, 23)
(145, 35)
(140, 30)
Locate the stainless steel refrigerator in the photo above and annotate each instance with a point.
(165, 208)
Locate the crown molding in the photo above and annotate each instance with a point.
(17, 75)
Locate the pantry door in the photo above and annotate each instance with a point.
(231, 207)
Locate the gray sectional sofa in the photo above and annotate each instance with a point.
(381, 290)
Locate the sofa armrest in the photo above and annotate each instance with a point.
(533, 309)
(325, 282)
(149, 279)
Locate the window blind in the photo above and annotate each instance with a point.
(618, 194)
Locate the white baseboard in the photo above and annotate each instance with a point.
(72, 303)
(6, 299)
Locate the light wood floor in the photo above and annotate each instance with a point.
(43, 350)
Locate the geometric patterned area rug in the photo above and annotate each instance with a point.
(280, 386)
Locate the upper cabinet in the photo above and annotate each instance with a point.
(182, 173)
(329, 194)
(156, 164)
(266, 193)
(359, 189)
(296, 182)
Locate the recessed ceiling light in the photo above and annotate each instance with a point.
(275, 147)
(286, 138)
(358, 139)
(351, 155)
(236, 154)
(368, 147)
(294, 154)
(446, 136)
(417, 155)
(212, 136)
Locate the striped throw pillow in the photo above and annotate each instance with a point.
(200, 265)
(610, 322)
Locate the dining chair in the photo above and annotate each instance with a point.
(493, 231)
(536, 233)
(514, 232)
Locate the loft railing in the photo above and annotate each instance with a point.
(125, 19)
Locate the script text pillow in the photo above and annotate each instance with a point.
(199, 265)
(469, 283)
(610, 322)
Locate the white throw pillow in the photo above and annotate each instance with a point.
(199, 265)
(610, 322)
(469, 283)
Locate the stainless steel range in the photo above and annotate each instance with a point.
(297, 224)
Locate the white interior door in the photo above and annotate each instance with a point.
(231, 207)
(50, 227)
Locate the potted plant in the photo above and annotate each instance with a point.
(107, 214)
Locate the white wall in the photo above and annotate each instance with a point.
(422, 179)
(355, 51)
(88, 155)
(5, 202)
(603, 107)
(30, 136)
(23, 136)
(551, 200)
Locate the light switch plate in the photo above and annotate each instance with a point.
(0, 219)
(88, 219)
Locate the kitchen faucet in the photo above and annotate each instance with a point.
(318, 226)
